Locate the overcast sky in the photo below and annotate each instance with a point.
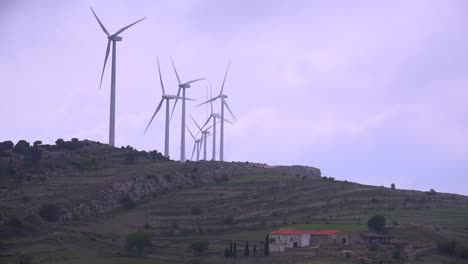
(368, 91)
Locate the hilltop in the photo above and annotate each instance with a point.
(77, 201)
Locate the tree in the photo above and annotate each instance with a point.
(37, 143)
(226, 252)
(235, 249)
(138, 240)
(21, 146)
(6, 145)
(376, 223)
(266, 248)
(246, 249)
(49, 212)
(392, 186)
(254, 251)
(200, 246)
(231, 253)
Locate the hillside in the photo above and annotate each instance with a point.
(97, 195)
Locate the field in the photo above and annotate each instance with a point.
(244, 208)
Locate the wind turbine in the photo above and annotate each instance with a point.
(182, 86)
(166, 97)
(196, 144)
(112, 38)
(223, 98)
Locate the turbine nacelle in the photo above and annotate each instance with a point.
(216, 115)
(114, 38)
(184, 86)
(223, 96)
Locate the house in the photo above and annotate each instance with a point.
(283, 238)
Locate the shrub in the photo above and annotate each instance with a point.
(15, 223)
(138, 241)
(33, 156)
(130, 158)
(376, 223)
(432, 192)
(196, 211)
(60, 143)
(49, 212)
(6, 145)
(37, 143)
(254, 251)
(200, 246)
(21, 146)
(228, 220)
(25, 259)
(127, 202)
(246, 249)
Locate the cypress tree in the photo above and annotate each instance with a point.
(226, 252)
(246, 249)
(266, 248)
(235, 249)
(231, 253)
(254, 251)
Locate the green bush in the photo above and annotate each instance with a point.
(49, 212)
(200, 246)
(138, 241)
(127, 202)
(196, 211)
(376, 223)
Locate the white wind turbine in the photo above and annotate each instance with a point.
(223, 98)
(182, 86)
(166, 97)
(196, 144)
(112, 38)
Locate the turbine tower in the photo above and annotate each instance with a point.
(182, 86)
(223, 98)
(112, 38)
(166, 97)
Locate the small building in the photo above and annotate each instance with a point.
(379, 239)
(283, 238)
(328, 236)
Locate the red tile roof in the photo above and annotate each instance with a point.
(289, 231)
(323, 232)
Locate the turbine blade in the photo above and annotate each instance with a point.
(155, 112)
(224, 80)
(225, 103)
(195, 122)
(192, 81)
(190, 132)
(207, 121)
(105, 61)
(100, 23)
(125, 28)
(228, 121)
(160, 77)
(177, 75)
(211, 103)
(175, 103)
(211, 100)
(190, 99)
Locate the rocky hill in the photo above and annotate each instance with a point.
(79, 201)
